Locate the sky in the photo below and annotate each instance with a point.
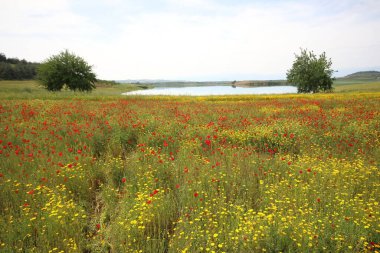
(197, 40)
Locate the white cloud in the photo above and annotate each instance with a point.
(41, 27)
(196, 39)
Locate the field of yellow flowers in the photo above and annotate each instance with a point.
(295, 173)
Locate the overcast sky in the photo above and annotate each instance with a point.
(193, 39)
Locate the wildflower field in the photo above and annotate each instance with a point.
(288, 173)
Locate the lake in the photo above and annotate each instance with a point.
(214, 90)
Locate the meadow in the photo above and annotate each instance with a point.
(104, 173)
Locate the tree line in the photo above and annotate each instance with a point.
(15, 69)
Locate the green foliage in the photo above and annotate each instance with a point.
(2, 57)
(66, 69)
(310, 73)
(15, 69)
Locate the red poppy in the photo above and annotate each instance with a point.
(123, 180)
(98, 226)
(177, 186)
(196, 194)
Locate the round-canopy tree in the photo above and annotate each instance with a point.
(311, 74)
(66, 69)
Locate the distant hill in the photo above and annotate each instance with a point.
(146, 81)
(172, 83)
(354, 78)
(372, 75)
(358, 78)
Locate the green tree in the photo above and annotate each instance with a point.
(3, 58)
(66, 69)
(311, 73)
(15, 69)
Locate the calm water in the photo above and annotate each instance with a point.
(214, 90)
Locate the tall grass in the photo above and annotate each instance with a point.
(292, 173)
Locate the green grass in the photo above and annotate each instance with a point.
(19, 86)
(32, 89)
(339, 82)
(356, 84)
(358, 87)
